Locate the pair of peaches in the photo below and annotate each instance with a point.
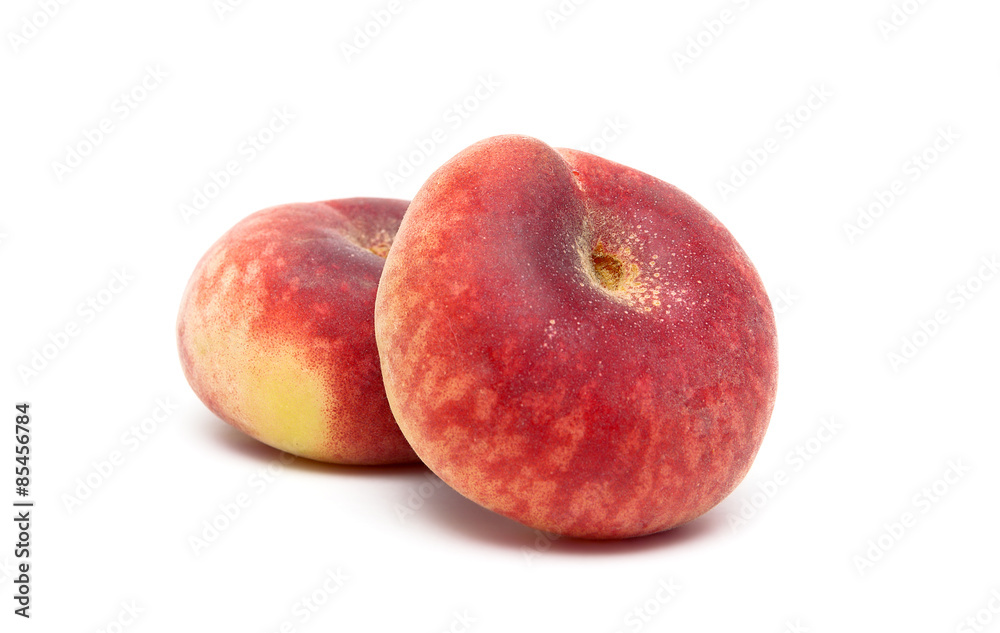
(564, 340)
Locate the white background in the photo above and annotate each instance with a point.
(815, 555)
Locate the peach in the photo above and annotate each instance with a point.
(572, 343)
(276, 332)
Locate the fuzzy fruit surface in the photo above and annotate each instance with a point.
(275, 330)
(574, 344)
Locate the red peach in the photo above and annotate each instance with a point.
(275, 330)
(572, 343)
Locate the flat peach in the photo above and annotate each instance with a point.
(572, 343)
(275, 330)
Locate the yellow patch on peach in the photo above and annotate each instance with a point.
(275, 396)
(286, 400)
